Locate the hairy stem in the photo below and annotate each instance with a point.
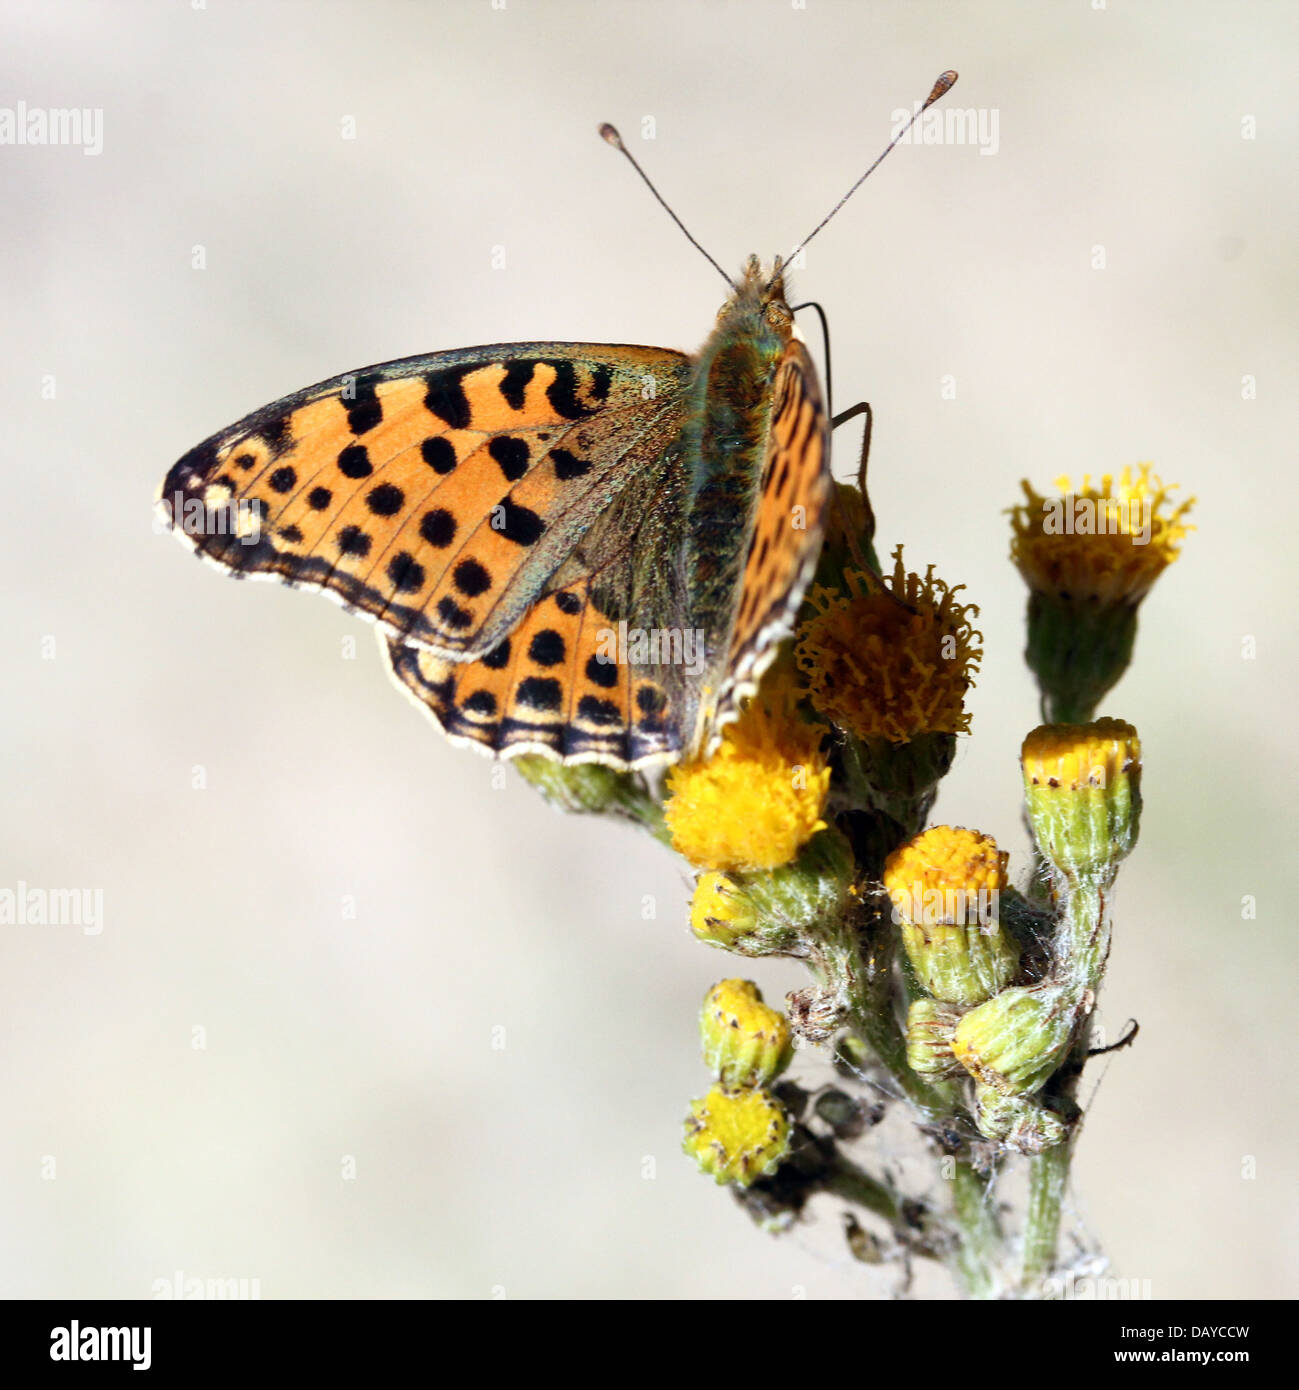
(977, 1251)
(1048, 1176)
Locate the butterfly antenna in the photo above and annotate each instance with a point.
(610, 133)
(944, 84)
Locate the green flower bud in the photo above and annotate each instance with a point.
(1017, 1039)
(745, 1042)
(588, 788)
(737, 1135)
(762, 912)
(1019, 1123)
(1082, 784)
(930, 1025)
(721, 912)
(944, 885)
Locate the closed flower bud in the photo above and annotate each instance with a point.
(1017, 1039)
(721, 913)
(930, 1025)
(1019, 1123)
(737, 1134)
(745, 1042)
(1082, 784)
(944, 886)
(587, 787)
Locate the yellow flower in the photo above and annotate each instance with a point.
(745, 1042)
(890, 658)
(1082, 787)
(720, 911)
(1073, 756)
(1108, 543)
(945, 886)
(946, 856)
(737, 1134)
(759, 799)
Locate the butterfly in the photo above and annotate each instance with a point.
(584, 551)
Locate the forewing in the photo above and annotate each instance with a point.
(435, 495)
(788, 529)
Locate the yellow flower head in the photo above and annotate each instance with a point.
(890, 659)
(945, 886)
(720, 911)
(1108, 543)
(1082, 787)
(759, 799)
(1073, 756)
(737, 1134)
(745, 1042)
(945, 858)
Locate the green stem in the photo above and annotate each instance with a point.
(918, 1228)
(1048, 1176)
(866, 983)
(848, 1181)
(975, 1256)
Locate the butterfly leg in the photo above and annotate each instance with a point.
(861, 408)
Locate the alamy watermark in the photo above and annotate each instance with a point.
(25, 906)
(241, 517)
(652, 646)
(931, 907)
(190, 1287)
(21, 124)
(949, 125)
(1071, 515)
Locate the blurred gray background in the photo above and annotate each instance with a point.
(351, 911)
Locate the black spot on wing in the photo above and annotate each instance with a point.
(438, 527)
(546, 648)
(511, 456)
(601, 671)
(471, 578)
(446, 397)
(364, 408)
(481, 702)
(499, 656)
(601, 379)
(385, 500)
(353, 541)
(453, 615)
(283, 479)
(540, 692)
(278, 434)
(516, 523)
(514, 384)
(598, 711)
(439, 453)
(562, 392)
(568, 466)
(405, 573)
(354, 462)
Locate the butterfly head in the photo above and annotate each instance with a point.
(759, 299)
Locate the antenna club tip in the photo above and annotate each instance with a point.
(610, 133)
(944, 84)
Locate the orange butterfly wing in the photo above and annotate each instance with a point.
(787, 532)
(435, 495)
